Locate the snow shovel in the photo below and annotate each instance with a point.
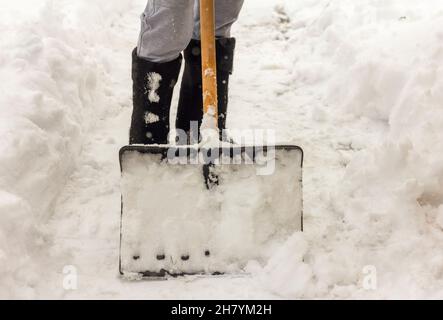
(209, 208)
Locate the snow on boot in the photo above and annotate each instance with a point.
(153, 86)
(190, 106)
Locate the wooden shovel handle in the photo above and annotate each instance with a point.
(209, 62)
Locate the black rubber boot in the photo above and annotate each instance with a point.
(153, 86)
(190, 106)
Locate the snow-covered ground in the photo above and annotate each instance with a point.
(358, 84)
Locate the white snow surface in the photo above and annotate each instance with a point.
(358, 84)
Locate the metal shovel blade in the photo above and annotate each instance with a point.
(187, 210)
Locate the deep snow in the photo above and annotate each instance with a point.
(358, 84)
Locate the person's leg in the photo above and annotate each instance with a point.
(166, 30)
(190, 108)
(227, 12)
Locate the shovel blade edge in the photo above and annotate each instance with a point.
(189, 210)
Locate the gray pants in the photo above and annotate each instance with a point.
(167, 26)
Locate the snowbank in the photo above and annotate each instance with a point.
(380, 61)
(52, 74)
